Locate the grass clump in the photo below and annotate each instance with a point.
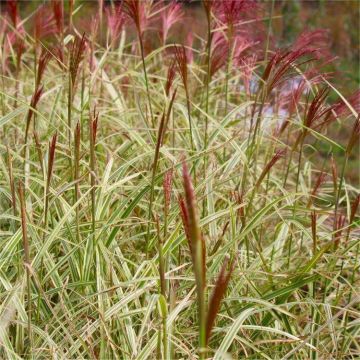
(161, 200)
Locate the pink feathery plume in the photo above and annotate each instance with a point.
(280, 65)
(58, 13)
(170, 15)
(319, 181)
(318, 109)
(182, 62)
(291, 92)
(43, 61)
(219, 53)
(136, 11)
(317, 41)
(93, 30)
(13, 12)
(342, 109)
(241, 44)
(230, 12)
(76, 56)
(170, 76)
(15, 42)
(115, 20)
(14, 39)
(33, 104)
(185, 220)
(44, 24)
(277, 156)
(247, 66)
(354, 137)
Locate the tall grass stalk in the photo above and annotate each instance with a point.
(98, 261)
(27, 263)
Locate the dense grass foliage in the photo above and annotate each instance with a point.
(161, 200)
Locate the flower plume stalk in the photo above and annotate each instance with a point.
(190, 218)
(43, 61)
(115, 20)
(197, 249)
(58, 13)
(217, 295)
(76, 56)
(278, 155)
(319, 181)
(170, 15)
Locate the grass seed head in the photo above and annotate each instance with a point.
(76, 56)
(217, 295)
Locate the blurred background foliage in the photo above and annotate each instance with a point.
(290, 18)
(341, 18)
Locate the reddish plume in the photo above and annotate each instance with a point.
(196, 240)
(354, 137)
(219, 52)
(116, 20)
(43, 61)
(247, 66)
(342, 109)
(16, 42)
(33, 104)
(170, 15)
(94, 125)
(137, 12)
(58, 13)
(230, 12)
(217, 295)
(317, 109)
(277, 156)
(316, 41)
(354, 208)
(13, 12)
(44, 23)
(185, 220)
(170, 76)
(181, 62)
(76, 56)
(319, 181)
(280, 64)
